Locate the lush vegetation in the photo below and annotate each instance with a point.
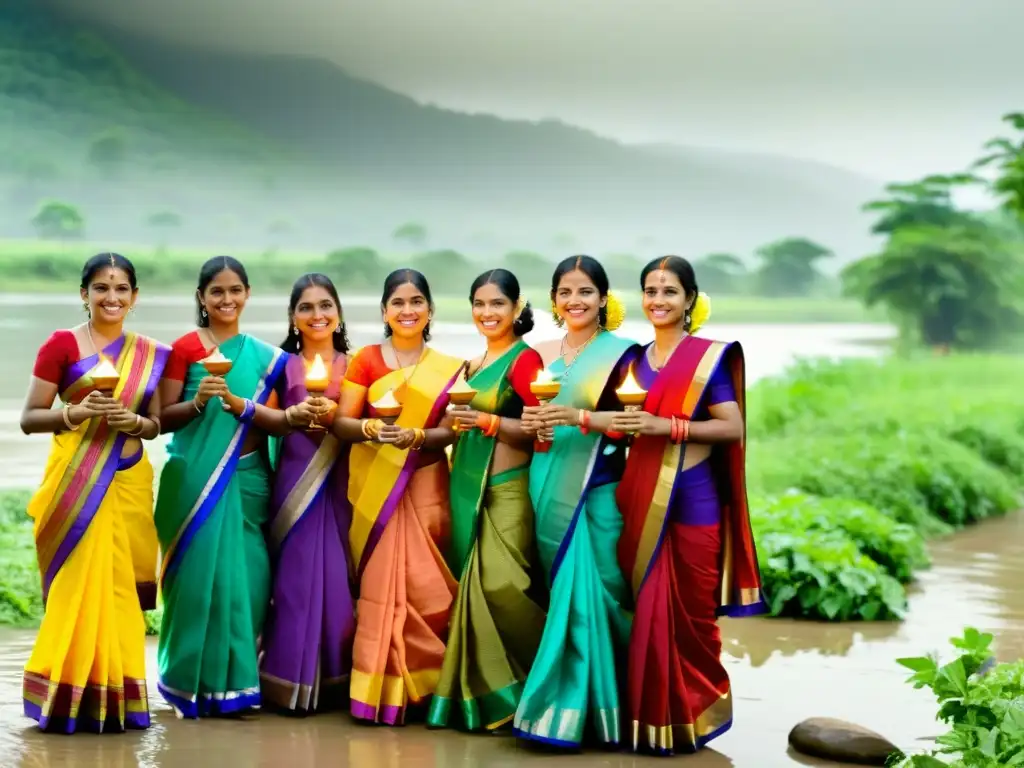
(981, 702)
(853, 464)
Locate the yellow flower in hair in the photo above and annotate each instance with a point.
(700, 312)
(616, 312)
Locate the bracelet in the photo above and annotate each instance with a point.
(195, 404)
(140, 426)
(420, 437)
(371, 428)
(248, 412)
(686, 431)
(67, 418)
(674, 430)
(493, 427)
(483, 421)
(159, 426)
(584, 421)
(288, 412)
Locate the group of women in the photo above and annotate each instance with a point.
(543, 557)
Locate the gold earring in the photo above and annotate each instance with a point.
(559, 321)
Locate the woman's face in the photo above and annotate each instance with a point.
(317, 315)
(493, 312)
(224, 298)
(578, 302)
(109, 295)
(665, 302)
(407, 311)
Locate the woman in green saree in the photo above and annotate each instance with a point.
(575, 677)
(496, 625)
(213, 502)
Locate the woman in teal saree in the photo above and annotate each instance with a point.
(575, 677)
(213, 503)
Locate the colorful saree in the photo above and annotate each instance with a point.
(400, 522)
(577, 526)
(97, 556)
(688, 550)
(307, 643)
(210, 512)
(495, 626)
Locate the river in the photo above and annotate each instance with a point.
(782, 671)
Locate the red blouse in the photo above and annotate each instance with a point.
(55, 355)
(524, 372)
(185, 351)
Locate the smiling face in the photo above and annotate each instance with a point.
(224, 298)
(316, 314)
(109, 295)
(578, 302)
(407, 311)
(665, 301)
(493, 312)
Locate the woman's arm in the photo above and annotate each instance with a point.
(38, 415)
(268, 418)
(347, 425)
(174, 414)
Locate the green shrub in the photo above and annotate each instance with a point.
(897, 548)
(982, 704)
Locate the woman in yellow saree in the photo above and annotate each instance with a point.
(398, 487)
(93, 514)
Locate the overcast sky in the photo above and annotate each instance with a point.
(891, 88)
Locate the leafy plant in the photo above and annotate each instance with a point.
(982, 703)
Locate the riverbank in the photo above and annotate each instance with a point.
(852, 466)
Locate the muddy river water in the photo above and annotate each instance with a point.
(782, 671)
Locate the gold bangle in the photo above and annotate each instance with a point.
(67, 418)
(140, 426)
(420, 437)
(195, 404)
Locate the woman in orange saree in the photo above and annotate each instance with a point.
(392, 407)
(686, 544)
(93, 514)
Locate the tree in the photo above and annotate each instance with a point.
(623, 271)
(949, 286)
(788, 266)
(412, 232)
(926, 202)
(164, 222)
(359, 267)
(720, 273)
(437, 265)
(108, 153)
(58, 221)
(1007, 155)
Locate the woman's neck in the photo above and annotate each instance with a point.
(322, 347)
(105, 331)
(500, 344)
(579, 337)
(223, 332)
(407, 344)
(666, 338)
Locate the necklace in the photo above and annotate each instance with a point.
(402, 366)
(650, 354)
(483, 363)
(92, 338)
(576, 350)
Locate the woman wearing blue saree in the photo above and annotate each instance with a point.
(572, 485)
(213, 502)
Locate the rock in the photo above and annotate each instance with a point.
(840, 741)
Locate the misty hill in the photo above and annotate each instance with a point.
(387, 144)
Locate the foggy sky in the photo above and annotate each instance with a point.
(891, 88)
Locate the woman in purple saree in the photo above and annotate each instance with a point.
(307, 642)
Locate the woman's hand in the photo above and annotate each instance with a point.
(641, 423)
(210, 387)
(464, 417)
(392, 434)
(94, 405)
(325, 409)
(531, 421)
(124, 420)
(302, 414)
(560, 416)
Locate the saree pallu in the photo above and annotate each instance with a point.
(307, 643)
(688, 550)
(400, 524)
(496, 626)
(575, 674)
(210, 512)
(97, 554)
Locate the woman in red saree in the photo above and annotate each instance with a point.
(686, 544)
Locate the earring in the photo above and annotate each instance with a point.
(687, 319)
(295, 330)
(338, 329)
(204, 312)
(85, 308)
(555, 316)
